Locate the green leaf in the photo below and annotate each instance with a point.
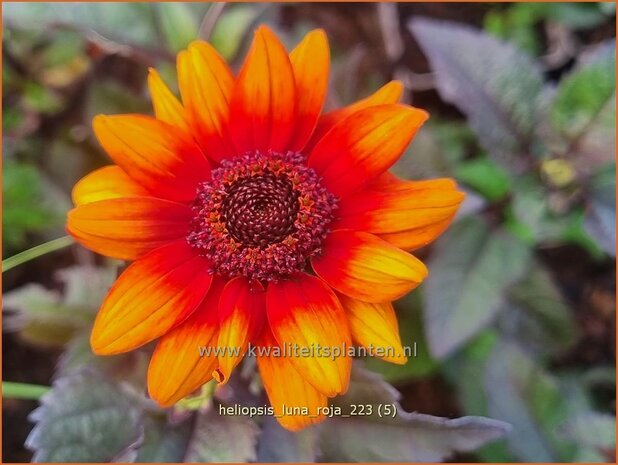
(367, 386)
(24, 208)
(180, 24)
(41, 99)
(485, 177)
(220, 438)
(577, 15)
(494, 84)
(404, 437)
(592, 429)
(585, 101)
(471, 268)
(600, 220)
(516, 24)
(39, 316)
(587, 428)
(521, 393)
(84, 418)
(531, 216)
(463, 371)
(163, 441)
(47, 317)
(278, 445)
(85, 287)
(467, 366)
(204, 436)
(129, 21)
(536, 315)
(130, 367)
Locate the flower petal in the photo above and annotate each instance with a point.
(206, 83)
(285, 386)
(263, 105)
(367, 268)
(166, 106)
(374, 325)
(389, 93)
(310, 61)
(127, 228)
(154, 154)
(364, 145)
(242, 312)
(303, 313)
(177, 367)
(152, 295)
(409, 214)
(109, 182)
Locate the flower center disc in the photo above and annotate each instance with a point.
(260, 210)
(261, 216)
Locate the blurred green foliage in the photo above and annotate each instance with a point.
(547, 175)
(24, 206)
(534, 151)
(519, 23)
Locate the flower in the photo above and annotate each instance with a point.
(252, 218)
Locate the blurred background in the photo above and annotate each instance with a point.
(517, 320)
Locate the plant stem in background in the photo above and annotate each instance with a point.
(22, 391)
(36, 252)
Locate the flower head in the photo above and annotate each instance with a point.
(253, 218)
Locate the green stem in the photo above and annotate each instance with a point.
(23, 391)
(36, 252)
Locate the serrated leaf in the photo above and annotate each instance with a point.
(278, 445)
(494, 84)
(129, 367)
(220, 438)
(405, 437)
(366, 387)
(519, 392)
(471, 268)
(410, 437)
(84, 418)
(163, 442)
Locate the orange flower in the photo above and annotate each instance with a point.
(254, 219)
